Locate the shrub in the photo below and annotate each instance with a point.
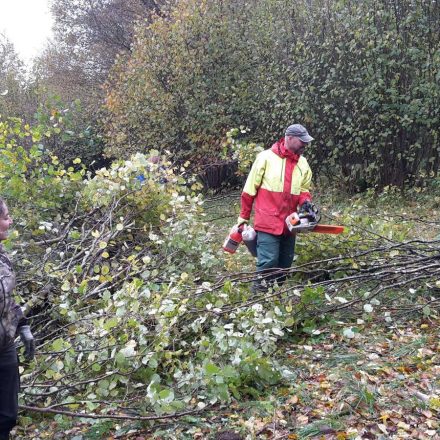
(366, 85)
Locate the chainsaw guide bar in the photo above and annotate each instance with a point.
(328, 229)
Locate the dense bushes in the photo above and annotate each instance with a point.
(378, 94)
(362, 76)
(117, 274)
(32, 179)
(73, 133)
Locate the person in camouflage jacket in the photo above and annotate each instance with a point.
(12, 321)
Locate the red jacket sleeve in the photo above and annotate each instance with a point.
(246, 205)
(303, 197)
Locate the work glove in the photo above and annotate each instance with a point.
(242, 222)
(28, 341)
(310, 210)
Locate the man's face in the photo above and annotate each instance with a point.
(295, 145)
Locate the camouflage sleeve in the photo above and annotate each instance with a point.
(16, 310)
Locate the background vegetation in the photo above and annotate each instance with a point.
(363, 76)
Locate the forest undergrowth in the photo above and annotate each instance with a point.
(347, 348)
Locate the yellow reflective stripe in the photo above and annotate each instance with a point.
(307, 181)
(255, 177)
(274, 177)
(267, 173)
(306, 175)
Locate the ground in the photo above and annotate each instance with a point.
(382, 382)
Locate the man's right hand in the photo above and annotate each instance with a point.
(242, 222)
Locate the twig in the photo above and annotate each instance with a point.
(102, 416)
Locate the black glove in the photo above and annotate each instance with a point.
(310, 210)
(28, 341)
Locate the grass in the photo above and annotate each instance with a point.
(410, 348)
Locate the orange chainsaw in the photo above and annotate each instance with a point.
(307, 220)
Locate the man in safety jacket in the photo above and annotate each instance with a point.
(279, 183)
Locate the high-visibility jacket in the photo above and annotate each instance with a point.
(279, 182)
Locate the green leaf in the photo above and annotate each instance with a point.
(58, 345)
(211, 369)
(111, 323)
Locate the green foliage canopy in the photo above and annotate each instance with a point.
(362, 76)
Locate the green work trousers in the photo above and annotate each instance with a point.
(274, 252)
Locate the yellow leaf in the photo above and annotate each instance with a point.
(403, 425)
(384, 417)
(434, 403)
(102, 244)
(324, 385)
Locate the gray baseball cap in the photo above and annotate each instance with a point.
(299, 131)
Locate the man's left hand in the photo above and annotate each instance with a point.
(310, 210)
(28, 340)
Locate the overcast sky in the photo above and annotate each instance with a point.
(27, 24)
